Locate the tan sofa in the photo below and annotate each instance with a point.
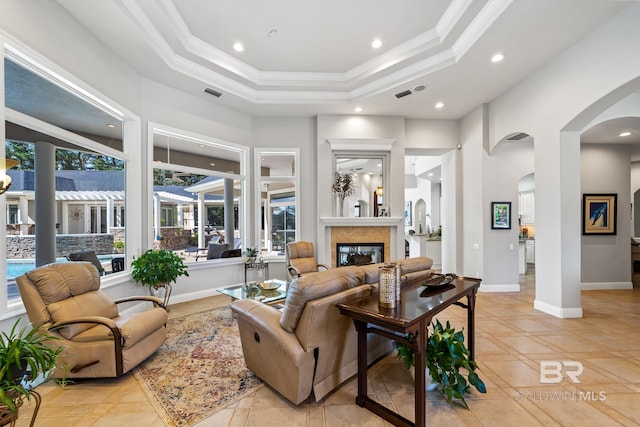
(309, 346)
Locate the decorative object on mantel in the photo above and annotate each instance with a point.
(344, 185)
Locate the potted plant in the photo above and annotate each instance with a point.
(118, 246)
(157, 268)
(447, 360)
(250, 255)
(24, 357)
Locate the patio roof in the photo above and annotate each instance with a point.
(89, 195)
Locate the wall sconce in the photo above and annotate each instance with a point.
(5, 180)
(379, 189)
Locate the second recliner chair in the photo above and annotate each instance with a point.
(301, 259)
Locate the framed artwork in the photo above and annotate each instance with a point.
(407, 214)
(599, 213)
(501, 215)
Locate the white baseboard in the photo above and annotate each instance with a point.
(563, 313)
(193, 296)
(605, 286)
(499, 288)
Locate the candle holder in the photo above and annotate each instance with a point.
(388, 286)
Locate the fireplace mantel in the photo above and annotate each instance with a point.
(380, 221)
(394, 231)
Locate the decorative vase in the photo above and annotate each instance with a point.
(428, 385)
(340, 207)
(162, 291)
(388, 286)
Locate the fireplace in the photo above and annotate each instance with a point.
(359, 253)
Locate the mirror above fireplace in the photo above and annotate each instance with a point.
(367, 170)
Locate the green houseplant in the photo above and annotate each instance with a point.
(250, 255)
(157, 268)
(24, 357)
(448, 360)
(118, 246)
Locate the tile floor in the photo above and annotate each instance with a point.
(512, 339)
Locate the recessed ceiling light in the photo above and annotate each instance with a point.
(238, 47)
(430, 173)
(376, 43)
(110, 125)
(212, 164)
(439, 105)
(419, 88)
(498, 57)
(358, 109)
(625, 134)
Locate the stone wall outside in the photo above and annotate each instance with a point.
(24, 247)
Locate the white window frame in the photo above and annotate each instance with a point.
(131, 150)
(259, 180)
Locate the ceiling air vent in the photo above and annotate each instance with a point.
(213, 92)
(518, 136)
(403, 94)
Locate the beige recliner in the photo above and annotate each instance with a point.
(301, 259)
(309, 345)
(98, 341)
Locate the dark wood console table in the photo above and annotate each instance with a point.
(412, 316)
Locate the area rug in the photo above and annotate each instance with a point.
(199, 370)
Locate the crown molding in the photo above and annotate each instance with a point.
(365, 80)
(361, 144)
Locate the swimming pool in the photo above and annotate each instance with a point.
(16, 267)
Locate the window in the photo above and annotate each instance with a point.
(45, 105)
(195, 178)
(277, 181)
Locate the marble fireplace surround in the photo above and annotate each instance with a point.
(388, 230)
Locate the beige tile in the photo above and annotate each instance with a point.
(278, 416)
(351, 415)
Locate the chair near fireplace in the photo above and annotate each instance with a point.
(301, 259)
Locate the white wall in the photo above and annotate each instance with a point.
(473, 216)
(554, 106)
(503, 168)
(606, 259)
(431, 134)
(294, 133)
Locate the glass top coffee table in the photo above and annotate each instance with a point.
(259, 291)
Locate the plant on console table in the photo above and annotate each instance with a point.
(157, 268)
(344, 185)
(447, 360)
